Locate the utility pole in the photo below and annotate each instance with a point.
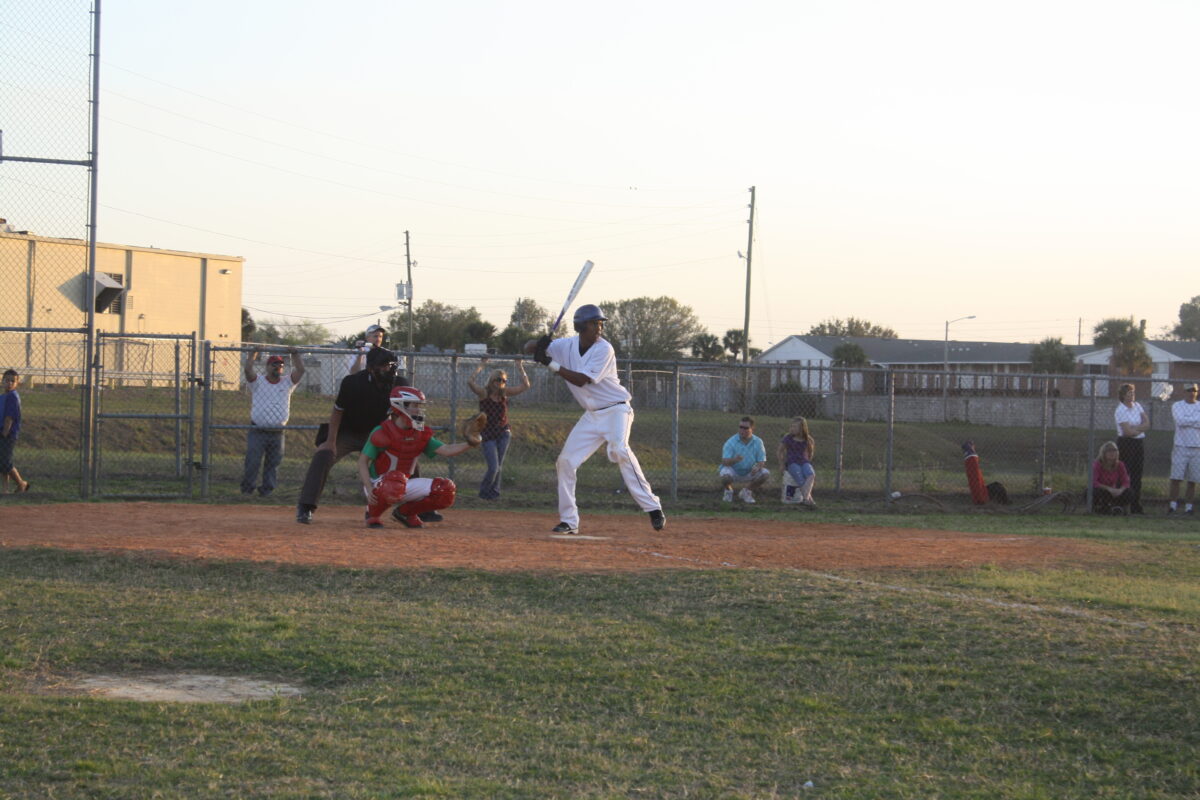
(408, 261)
(749, 257)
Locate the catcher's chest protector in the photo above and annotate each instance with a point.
(400, 447)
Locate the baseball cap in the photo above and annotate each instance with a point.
(372, 328)
(380, 355)
(275, 360)
(1191, 387)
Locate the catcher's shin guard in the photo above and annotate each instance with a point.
(441, 495)
(389, 491)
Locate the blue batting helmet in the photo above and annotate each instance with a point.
(587, 313)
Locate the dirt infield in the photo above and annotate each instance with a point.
(506, 540)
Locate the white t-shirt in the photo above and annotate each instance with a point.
(352, 361)
(1187, 423)
(600, 364)
(1130, 416)
(270, 403)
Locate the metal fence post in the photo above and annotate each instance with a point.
(675, 434)
(178, 409)
(840, 456)
(206, 423)
(193, 356)
(1091, 442)
(453, 406)
(1045, 430)
(891, 432)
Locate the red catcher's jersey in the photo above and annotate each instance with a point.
(399, 447)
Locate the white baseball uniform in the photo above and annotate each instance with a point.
(607, 419)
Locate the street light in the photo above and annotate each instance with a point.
(946, 369)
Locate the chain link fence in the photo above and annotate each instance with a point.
(173, 420)
(876, 432)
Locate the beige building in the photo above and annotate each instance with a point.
(138, 290)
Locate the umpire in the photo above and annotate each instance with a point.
(361, 404)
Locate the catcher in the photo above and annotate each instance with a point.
(390, 455)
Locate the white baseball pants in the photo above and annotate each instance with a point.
(608, 426)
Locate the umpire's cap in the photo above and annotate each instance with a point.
(587, 313)
(372, 328)
(380, 356)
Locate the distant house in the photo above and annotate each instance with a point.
(975, 367)
(1174, 363)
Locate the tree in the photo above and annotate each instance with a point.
(650, 327)
(248, 326)
(1188, 329)
(1128, 343)
(851, 326)
(530, 317)
(733, 342)
(707, 347)
(292, 333)
(849, 354)
(480, 331)
(1051, 357)
(438, 324)
(511, 340)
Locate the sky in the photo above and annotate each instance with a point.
(1033, 164)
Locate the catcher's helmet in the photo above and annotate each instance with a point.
(587, 313)
(411, 403)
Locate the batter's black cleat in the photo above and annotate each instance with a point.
(431, 516)
(565, 527)
(304, 515)
(658, 519)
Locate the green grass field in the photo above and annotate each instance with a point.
(983, 683)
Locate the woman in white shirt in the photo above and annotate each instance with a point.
(1132, 424)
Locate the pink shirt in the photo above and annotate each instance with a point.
(1116, 478)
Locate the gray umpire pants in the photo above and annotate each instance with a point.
(322, 461)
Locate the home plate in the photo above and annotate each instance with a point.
(578, 536)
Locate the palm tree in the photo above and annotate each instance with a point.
(1128, 343)
(707, 347)
(849, 354)
(733, 340)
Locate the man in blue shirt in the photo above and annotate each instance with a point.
(10, 429)
(743, 462)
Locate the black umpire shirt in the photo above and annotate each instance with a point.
(363, 402)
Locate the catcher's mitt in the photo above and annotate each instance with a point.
(472, 428)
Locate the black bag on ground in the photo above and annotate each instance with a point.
(997, 493)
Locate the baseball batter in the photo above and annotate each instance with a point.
(588, 364)
(386, 463)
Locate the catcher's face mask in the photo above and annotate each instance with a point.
(415, 413)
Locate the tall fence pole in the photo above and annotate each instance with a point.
(841, 439)
(891, 432)
(206, 429)
(1045, 431)
(675, 434)
(1091, 441)
(178, 409)
(453, 406)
